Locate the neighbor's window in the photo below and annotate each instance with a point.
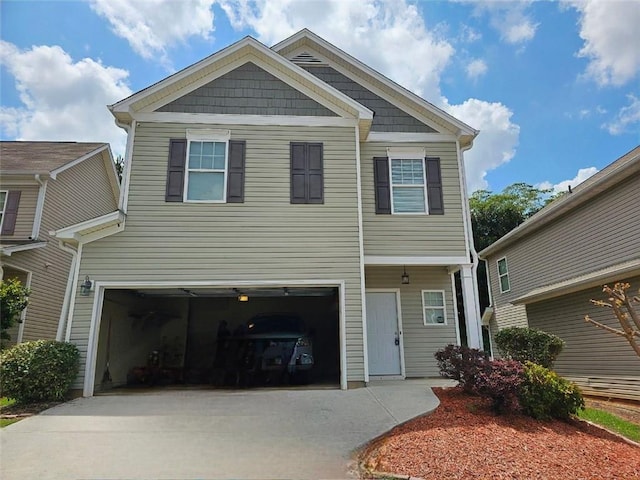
(433, 307)
(408, 185)
(503, 275)
(3, 202)
(206, 172)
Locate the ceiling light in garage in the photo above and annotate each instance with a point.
(243, 297)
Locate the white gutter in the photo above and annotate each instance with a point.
(67, 292)
(363, 299)
(74, 289)
(37, 221)
(126, 174)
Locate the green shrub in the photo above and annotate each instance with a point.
(14, 298)
(529, 345)
(544, 394)
(501, 383)
(462, 364)
(38, 371)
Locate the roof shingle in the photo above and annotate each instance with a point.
(41, 157)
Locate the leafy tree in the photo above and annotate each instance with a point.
(14, 298)
(119, 161)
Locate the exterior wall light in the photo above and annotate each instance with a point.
(405, 276)
(85, 287)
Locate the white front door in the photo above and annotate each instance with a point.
(383, 334)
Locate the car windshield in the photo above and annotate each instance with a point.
(276, 324)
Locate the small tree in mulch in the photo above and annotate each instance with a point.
(463, 364)
(14, 298)
(622, 305)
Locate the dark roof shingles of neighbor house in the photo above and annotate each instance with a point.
(41, 157)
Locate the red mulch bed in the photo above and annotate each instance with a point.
(463, 439)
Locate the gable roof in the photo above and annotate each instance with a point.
(618, 171)
(43, 157)
(306, 47)
(246, 50)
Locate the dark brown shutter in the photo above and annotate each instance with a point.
(315, 178)
(434, 186)
(175, 169)
(10, 216)
(235, 176)
(298, 173)
(382, 185)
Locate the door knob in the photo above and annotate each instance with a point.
(397, 341)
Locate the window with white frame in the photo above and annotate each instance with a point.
(408, 185)
(207, 166)
(503, 275)
(3, 203)
(434, 311)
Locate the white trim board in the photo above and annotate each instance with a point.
(423, 261)
(98, 300)
(233, 119)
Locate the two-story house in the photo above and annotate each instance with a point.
(285, 179)
(544, 273)
(45, 186)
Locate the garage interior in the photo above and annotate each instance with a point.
(162, 337)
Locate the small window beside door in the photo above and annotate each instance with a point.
(433, 307)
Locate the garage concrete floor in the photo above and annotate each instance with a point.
(206, 434)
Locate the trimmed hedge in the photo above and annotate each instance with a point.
(38, 371)
(544, 394)
(529, 345)
(501, 383)
(462, 364)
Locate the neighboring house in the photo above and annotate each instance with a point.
(45, 186)
(296, 178)
(544, 272)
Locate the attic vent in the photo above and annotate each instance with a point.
(307, 59)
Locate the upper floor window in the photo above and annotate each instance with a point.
(408, 182)
(408, 185)
(206, 172)
(503, 275)
(3, 202)
(434, 311)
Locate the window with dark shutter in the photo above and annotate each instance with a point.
(382, 185)
(434, 186)
(10, 211)
(307, 173)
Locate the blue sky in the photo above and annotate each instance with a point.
(554, 87)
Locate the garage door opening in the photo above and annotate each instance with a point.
(219, 337)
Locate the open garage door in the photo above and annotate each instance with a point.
(219, 337)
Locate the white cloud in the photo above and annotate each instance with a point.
(468, 34)
(610, 33)
(563, 186)
(152, 26)
(627, 116)
(476, 69)
(496, 143)
(62, 99)
(392, 37)
(510, 19)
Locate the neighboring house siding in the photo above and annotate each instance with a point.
(505, 316)
(26, 210)
(417, 235)
(589, 350)
(247, 90)
(420, 341)
(387, 117)
(598, 234)
(264, 238)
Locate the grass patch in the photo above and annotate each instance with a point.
(612, 422)
(8, 421)
(6, 402)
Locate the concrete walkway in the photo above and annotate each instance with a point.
(208, 434)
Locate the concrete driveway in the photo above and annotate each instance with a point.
(207, 434)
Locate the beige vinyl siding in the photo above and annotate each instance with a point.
(598, 234)
(505, 316)
(264, 238)
(589, 351)
(420, 341)
(80, 193)
(26, 210)
(414, 235)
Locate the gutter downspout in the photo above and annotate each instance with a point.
(72, 299)
(67, 292)
(363, 297)
(469, 229)
(35, 232)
